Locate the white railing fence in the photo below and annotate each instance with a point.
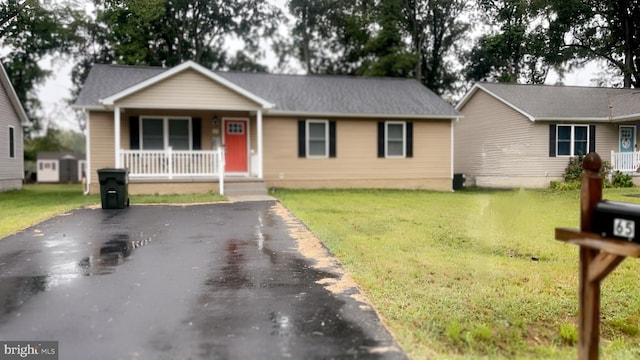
(625, 161)
(170, 163)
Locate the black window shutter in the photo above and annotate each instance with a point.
(409, 145)
(196, 133)
(381, 139)
(592, 138)
(134, 132)
(332, 139)
(552, 140)
(302, 139)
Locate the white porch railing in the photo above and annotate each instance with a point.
(625, 161)
(171, 163)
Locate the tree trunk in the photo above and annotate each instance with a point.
(628, 52)
(306, 52)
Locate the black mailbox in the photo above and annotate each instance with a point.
(616, 220)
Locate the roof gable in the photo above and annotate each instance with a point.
(189, 65)
(188, 90)
(546, 102)
(13, 97)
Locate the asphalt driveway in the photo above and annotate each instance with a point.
(239, 280)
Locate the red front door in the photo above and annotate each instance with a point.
(235, 141)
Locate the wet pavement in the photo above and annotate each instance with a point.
(215, 281)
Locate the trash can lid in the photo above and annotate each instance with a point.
(113, 170)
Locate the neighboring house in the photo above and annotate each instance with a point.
(60, 167)
(166, 126)
(524, 135)
(12, 120)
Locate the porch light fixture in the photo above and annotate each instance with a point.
(214, 120)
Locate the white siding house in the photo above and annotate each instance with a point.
(514, 135)
(12, 120)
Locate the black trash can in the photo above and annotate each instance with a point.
(114, 188)
(458, 181)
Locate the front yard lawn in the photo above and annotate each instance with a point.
(473, 274)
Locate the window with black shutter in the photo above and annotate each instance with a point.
(395, 139)
(317, 139)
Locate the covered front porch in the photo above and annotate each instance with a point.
(175, 149)
(626, 162)
(178, 129)
(627, 157)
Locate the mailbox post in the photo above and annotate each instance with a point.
(599, 256)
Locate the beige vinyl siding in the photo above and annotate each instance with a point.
(494, 140)
(497, 146)
(607, 139)
(187, 90)
(102, 144)
(356, 163)
(11, 169)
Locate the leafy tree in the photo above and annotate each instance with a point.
(329, 37)
(169, 32)
(597, 29)
(438, 29)
(517, 51)
(54, 140)
(405, 38)
(29, 31)
(388, 53)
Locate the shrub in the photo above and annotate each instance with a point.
(573, 175)
(573, 172)
(621, 180)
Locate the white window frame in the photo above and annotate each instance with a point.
(308, 138)
(404, 139)
(12, 149)
(165, 130)
(572, 152)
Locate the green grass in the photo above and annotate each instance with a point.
(472, 274)
(35, 203)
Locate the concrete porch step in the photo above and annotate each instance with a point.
(245, 188)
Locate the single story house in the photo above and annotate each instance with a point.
(190, 129)
(515, 135)
(60, 167)
(12, 120)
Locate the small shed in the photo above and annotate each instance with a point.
(60, 167)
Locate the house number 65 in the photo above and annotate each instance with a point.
(624, 228)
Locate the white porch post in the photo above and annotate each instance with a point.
(116, 135)
(260, 155)
(87, 137)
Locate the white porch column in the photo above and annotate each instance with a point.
(260, 154)
(87, 142)
(116, 135)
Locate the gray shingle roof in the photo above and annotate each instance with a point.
(106, 80)
(565, 102)
(344, 95)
